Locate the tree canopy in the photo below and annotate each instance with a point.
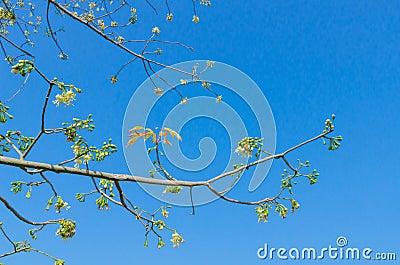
(30, 33)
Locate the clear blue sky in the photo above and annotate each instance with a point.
(310, 58)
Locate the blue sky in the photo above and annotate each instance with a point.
(310, 59)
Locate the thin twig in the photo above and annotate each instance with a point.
(163, 41)
(152, 7)
(13, 146)
(20, 88)
(7, 237)
(48, 182)
(14, 252)
(16, 46)
(42, 127)
(23, 219)
(99, 32)
(51, 31)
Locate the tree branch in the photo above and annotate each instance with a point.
(16, 46)
(125, 177)
(99, 32)
(23, 219)
(14, 252)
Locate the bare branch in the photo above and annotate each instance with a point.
(48, 182)
(238, 201)
(50, 29)
(42, 127)
(20, 88)
(14, 252)
(23, 219)
(6, 236)
(163, 41)
(16, 46)
(13, 146)
(99, 32)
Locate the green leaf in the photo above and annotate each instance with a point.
(16, 186)
(80, 197)
(49, 203)
(172, 189)
(59, 262)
